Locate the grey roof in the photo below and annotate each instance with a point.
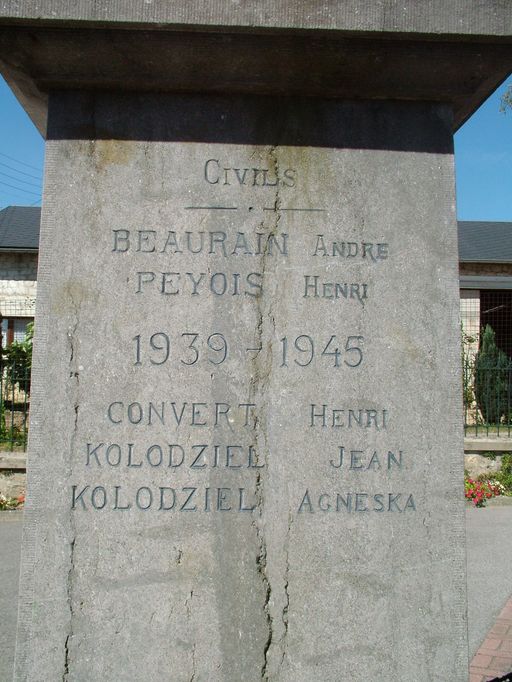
(19, 228)
(485, 242)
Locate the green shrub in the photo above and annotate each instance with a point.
(504, 476)
(492, 374)
(16, 360)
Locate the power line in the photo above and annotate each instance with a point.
(7, 199)
(22, 163)
(25, 182)
(25, 191)
(29, 175)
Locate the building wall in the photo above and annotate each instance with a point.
(18, 290)
(490, 304)
(470, 318)
(485, 269)
(18, 275)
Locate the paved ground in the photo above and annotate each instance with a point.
(10, 536)
(489, 535)
(489, 553)
(494, 657)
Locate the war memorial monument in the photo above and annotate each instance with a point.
(245, 457)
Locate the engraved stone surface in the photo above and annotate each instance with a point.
(247, 325)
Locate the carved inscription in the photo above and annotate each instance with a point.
(161, 498)
(217, 172)
(324, 415)
(365, 251)
(184, 414)
(188, 348)
(210, 260)
(356, 502)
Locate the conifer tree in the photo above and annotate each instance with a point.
(492, 378)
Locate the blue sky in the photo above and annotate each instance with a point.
(483, 159)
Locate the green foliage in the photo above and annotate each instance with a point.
(506, 100)
(17, 360)
(15, 367)
(467, 367)
(11, 437)
(490, 455)
(504, 476)
(492, 374)
(8, 503)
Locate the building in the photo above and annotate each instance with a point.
(19, 242)
(485, 262)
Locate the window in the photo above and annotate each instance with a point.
(14, 329)
(496, 311)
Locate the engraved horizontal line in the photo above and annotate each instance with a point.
(303, 210)
(211, 208)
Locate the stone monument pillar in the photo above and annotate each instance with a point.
(245, 451)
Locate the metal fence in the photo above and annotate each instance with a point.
(487, 395)
(14, 408)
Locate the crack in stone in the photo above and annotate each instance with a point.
(261, 564)
(262, 367)
(193, 677)
(69, 589)
(261, 373)
(286, 605)
(188, 608)
(187, 604)
(74, 374)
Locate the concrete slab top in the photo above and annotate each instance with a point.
(502, 444)
(458, 17)
(36, 60)
(456, 51)
(13, 461)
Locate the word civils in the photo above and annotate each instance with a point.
(217, 174)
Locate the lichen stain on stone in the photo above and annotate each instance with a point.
(111, 153)
(414, 350)
(68, 298)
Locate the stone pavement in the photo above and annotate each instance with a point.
(489, 558)
(494, 658)
(489, 541)
(10, 541)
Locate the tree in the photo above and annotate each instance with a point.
(492, 379)
(506, 100)
(17, 360)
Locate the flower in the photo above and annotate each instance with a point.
(480, 491)
(7, 503)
